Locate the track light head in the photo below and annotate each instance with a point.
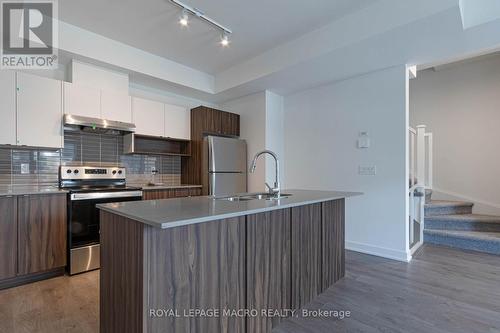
(224, 40)
(188, 11)
(184, 18)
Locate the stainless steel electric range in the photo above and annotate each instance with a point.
(89, 186)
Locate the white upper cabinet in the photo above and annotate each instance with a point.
(177, 122)
(39, 111)
(82, 100)
(116, 106)
(148, 117)
(7, 107)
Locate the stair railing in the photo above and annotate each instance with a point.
(423, 162)
(421, 178)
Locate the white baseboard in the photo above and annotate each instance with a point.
(378, 251)
(480, 206)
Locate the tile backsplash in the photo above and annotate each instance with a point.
(40, 167)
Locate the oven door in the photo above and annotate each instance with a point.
(83, 227)
(84, 216)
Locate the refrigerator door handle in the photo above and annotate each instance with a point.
(211, 160)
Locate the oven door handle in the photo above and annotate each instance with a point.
(105, 195)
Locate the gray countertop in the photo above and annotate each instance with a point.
(167, 187)
(29, 190)
(171, 213)
(36, 189)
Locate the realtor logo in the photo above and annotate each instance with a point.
(29, 34)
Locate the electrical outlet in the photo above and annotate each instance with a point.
(367, 170)
(25, 168)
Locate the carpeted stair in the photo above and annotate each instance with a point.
(451, 223)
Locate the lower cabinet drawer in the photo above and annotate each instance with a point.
(42, 228)
(171, 193)
(8, 237)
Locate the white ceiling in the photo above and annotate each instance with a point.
(257, 25)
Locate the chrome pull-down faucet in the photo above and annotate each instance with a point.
(276, 190)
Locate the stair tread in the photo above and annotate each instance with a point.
(447, 203)
(471, 235)
(464, 218)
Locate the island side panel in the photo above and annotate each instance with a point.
(333, 242)
(200, 266)
(121, 275)
(268, 266)
(306, 254)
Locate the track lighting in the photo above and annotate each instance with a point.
(184, 18)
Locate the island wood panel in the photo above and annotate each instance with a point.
(121, 274)
(333, 242)
(306, 254)
(268, 267)
(42, 232)
(170, 193)
(8, 237)
(199, 266)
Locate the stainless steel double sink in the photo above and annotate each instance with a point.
(253, 196)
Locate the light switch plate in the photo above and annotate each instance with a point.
(25, 168)
(367, 170)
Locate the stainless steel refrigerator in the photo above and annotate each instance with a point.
(225, 165)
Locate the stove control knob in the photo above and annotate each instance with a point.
(119, 172)
(76, 171)
(114, 172)
(68, 171)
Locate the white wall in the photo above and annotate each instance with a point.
(275, 132)
(252, 111)
(460, 104)
(261, 117)
(477, 12)
(321, 129)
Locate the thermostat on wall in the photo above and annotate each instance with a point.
(363, 140)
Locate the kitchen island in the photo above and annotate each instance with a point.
(205, 265)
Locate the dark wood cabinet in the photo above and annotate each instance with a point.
(212, 120)
(8, 237)
(153, 145)
(41, 233)
(171, 193)
(206, 121)
(209, 273)
(268, 267)
(333, 244)
(276, 260)
(194, 267)
(306, 254)
(230, 124)
(215, 122)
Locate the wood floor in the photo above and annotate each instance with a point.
(441, 290)
(61, 304)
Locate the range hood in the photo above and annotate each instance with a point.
(97, 125)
